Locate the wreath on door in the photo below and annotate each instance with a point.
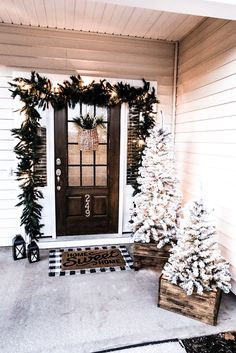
(88, 134)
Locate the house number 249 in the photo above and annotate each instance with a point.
(87, 205)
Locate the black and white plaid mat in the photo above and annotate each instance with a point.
(55, 256)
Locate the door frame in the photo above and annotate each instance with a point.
(124, 110)
(125, 194)
(60, 151)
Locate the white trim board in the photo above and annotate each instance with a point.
(124, 113)
(85, 240)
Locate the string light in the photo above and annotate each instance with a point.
(39, 90)
(141, 142)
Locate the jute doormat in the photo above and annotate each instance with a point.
(64, 262)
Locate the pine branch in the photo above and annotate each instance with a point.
(37, 92)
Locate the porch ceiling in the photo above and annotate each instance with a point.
(98, 16)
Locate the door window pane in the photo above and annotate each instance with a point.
(101, 154)
(87, 157)
(102, 134)
(101, 176)
(87, 176)
(87, 109)
(73, 131)
(102, 111)
(73, 154)
(74, 176)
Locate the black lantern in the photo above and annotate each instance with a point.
(33, 252)
(18, 247)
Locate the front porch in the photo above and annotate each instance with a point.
(88, 313)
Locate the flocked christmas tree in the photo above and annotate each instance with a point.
(156, 208)
(195, 263)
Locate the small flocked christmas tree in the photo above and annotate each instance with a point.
(195, 263)
(156, 208)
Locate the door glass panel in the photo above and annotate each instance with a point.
(74, 176)
(101, 154)
(101, 176)
(87, 176)
(102, 133)
(73, 154)
(72, 132)
(86, 109)
(102, 111)
(87, 168)
(87, 157)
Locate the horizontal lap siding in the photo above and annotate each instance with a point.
(9, 214)
(69, 52)
(206, 125)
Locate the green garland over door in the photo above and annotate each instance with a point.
(38, 92)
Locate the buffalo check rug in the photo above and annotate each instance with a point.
(64, 262)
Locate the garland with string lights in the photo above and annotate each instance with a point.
(37, 92)
(29, 179)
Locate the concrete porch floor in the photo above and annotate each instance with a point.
(85, 313)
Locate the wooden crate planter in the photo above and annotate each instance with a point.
(203, 307)
(147, 255)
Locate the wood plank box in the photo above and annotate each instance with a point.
(147, 255)
(203, 307)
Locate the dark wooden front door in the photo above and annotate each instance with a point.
(87, 183)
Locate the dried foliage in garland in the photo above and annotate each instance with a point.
(89, 122)
(37, 92)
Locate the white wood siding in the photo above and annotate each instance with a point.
(71, 52)
(206, 124)
(65, 52)
(9, 215)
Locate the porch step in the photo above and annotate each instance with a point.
(84, 240)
